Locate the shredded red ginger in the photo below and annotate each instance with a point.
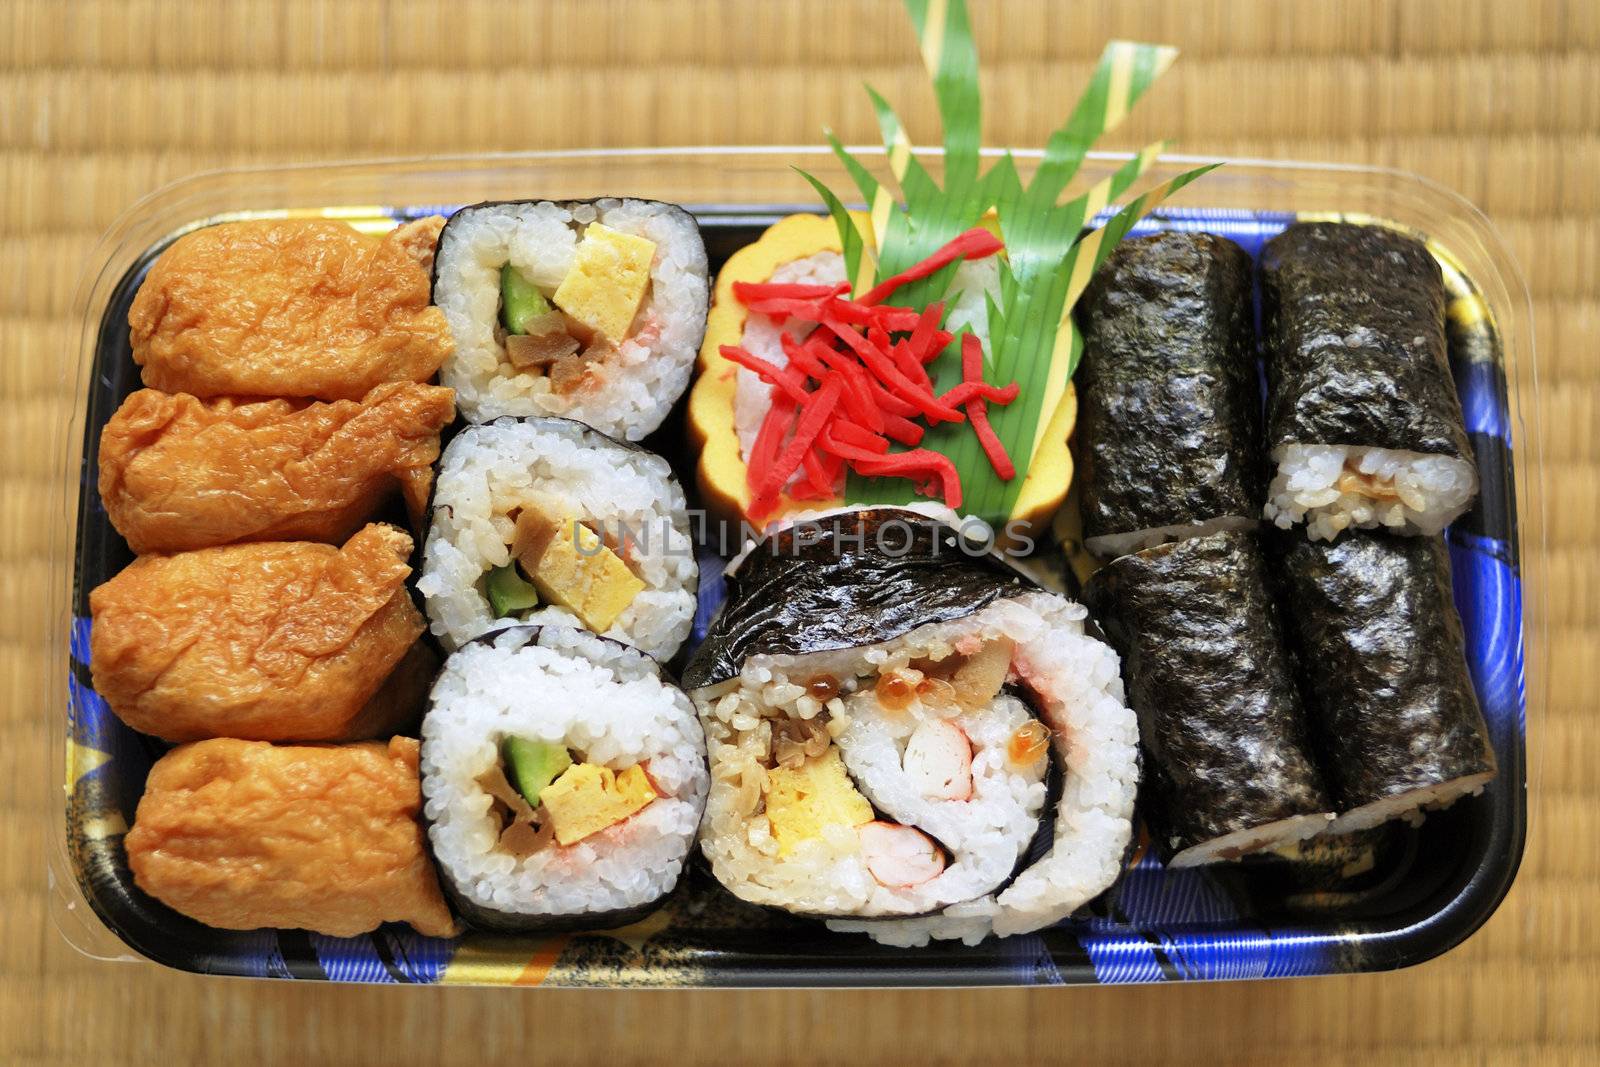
(857, 382)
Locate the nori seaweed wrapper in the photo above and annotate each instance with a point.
(1169, 417)
(845, 580)
(1354, 322)
(483, 917)
(1209, 678)
(1382, 664)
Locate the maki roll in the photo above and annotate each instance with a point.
(1363, 422)
(565, 777)
(549, 521)
(588, 309)
(1230, 767)
(1168, 443)
(1384, 672)
(907, 737)
(244, 834)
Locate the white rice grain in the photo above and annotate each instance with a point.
(1327, 488)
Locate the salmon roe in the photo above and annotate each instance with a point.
(1029, 742)
(895, 691)
(824, 687)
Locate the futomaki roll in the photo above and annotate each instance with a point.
(587, 309)
(564, 777)
(549, 521)
(1363, 421)
(1230, 766)
(1168, 437)
(1384, 671)
(908, 738)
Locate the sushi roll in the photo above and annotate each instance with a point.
(274, 641)
(549, 521)
(177, 472)
(1384, 671)
(289, 307)
(587, 309)
(244, 834)
(1363, 423)
(1230, 767)
(907, 738)
(565, 778)
(1169, 434)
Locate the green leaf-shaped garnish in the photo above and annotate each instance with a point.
(1050, 254)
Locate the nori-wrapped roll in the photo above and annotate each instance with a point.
(622, 348)
(1363, 421)
(1229, 766)
(565, 776)
(845, 580)
(887, 710)
(1169, 402)
(1384, 674)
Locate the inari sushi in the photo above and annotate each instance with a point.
(1384, 670)
(908, 738)
(1168, 439)
(1363, 423)
(586, 309)
(1230, 770)
(243, 834)
(565, 776)
(289, 307)
(177, 472)
(276, 641)
(549, 521)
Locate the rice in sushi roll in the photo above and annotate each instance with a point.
(1363, 422)
(564, 777)
(549, 521)
(908, 738)
(590, 310)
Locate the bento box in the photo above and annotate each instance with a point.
(1416, 894)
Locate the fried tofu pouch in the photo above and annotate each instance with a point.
(178, 472)
(279, 641)
(242, 834)
(288, 307)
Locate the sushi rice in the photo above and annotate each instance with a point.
(1332, 488)
(651, 369)
(486, 471)
(607, 702)
(1110, 546)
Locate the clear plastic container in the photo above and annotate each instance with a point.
(736, 190)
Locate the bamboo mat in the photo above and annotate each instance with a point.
(101, 102)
